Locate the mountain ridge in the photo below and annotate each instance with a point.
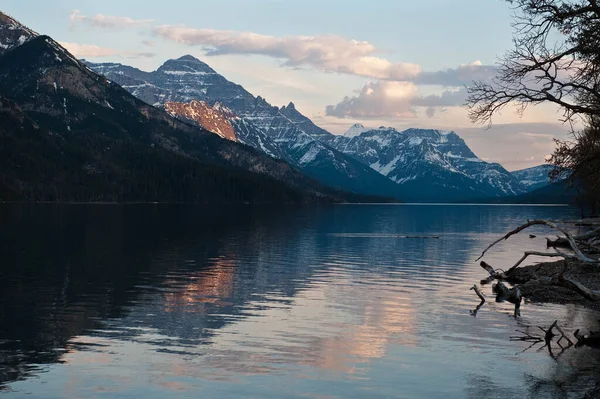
(70, 134)
(416, 164)
(294, 135)
(438, 164)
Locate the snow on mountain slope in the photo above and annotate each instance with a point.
(302, 122)
(12, 33)
(437, 165)
(355, 130)
(283, 131)
(534, 178)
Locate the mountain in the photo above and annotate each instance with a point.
(429, 165)
(224, 123)
(355, 130)
(69, 134)
(281, 132)
(534, 178)
(12, 33)
(302, 122)
(199, 112)
(554, 193)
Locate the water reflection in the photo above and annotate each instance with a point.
(152, 299)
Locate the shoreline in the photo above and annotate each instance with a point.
(586, 274)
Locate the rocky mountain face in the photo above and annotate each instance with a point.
(431, 164)
(210, 118)
(533, 178)
(180, 80)
(280, 132)
(70, 134)
(12, 33)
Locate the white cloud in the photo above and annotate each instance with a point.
(463, 75)
(93, 51)
(328, 53)
(378, 99)
(390, 99)
(106, 21)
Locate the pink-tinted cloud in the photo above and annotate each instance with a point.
(106, 21)
(92, 51)
(329, 53)
(390, 99)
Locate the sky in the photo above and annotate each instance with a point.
(395, 63)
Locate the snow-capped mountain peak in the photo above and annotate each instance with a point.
(534, 178)
(355, 130)
(186, 65)
(429, 164)
(12, 33)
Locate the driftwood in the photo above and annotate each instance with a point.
(573, 243)
(512, 295)
(535, 253)
(560, 280)
(581, 248)
(480, 295)
(571, 240)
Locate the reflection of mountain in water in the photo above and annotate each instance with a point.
(65, 269)
(237, 290)
(185, 273)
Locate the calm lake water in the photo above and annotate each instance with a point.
(156, 301)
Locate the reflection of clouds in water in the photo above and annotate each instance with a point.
(333, 325)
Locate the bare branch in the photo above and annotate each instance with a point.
(580, 255)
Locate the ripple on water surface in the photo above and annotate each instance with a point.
(336, 302)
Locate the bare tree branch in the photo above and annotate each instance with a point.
(580, 255)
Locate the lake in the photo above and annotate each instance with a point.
(155, 301)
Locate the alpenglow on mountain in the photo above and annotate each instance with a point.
(412, 165)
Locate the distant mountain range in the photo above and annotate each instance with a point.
(429, 165)
(534, 178)
(186, 133)
(418, 164)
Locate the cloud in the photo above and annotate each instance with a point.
(378, 99)
(106, 21)
(329, 53)
(93, 51)
(391, 99)
(463, 75)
